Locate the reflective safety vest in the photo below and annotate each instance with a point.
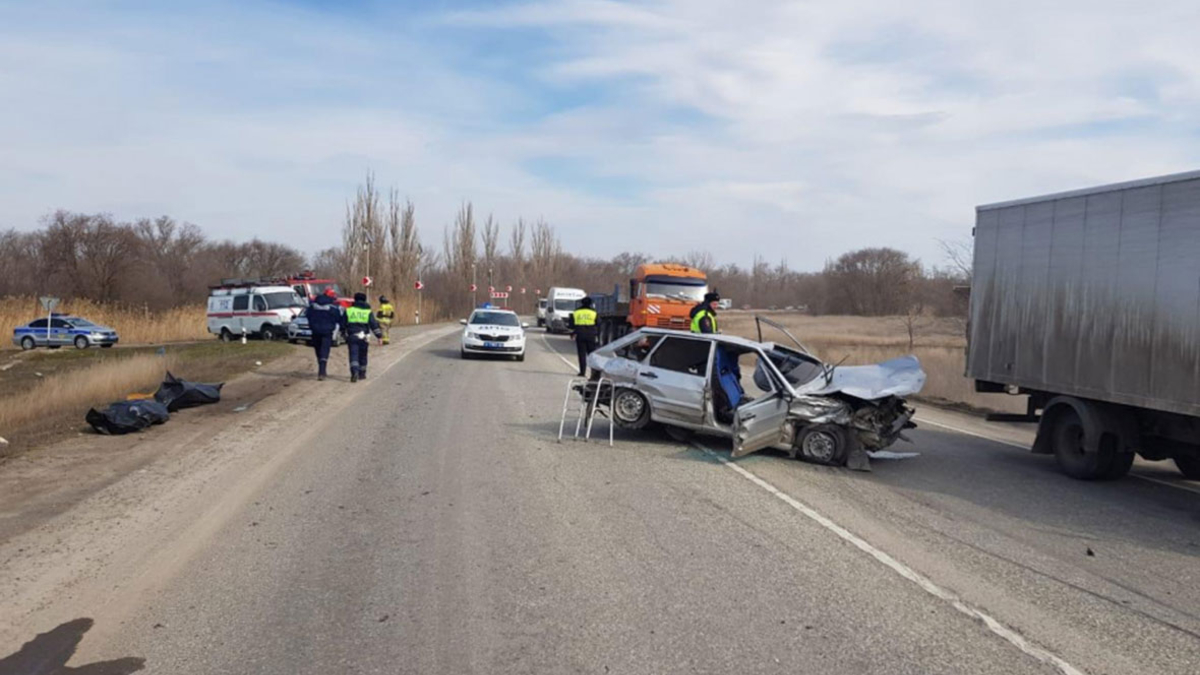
(584, 317)
(700, 315)
(358, 315)
(386, 312)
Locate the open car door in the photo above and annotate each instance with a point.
(760, 320)
(759, 424)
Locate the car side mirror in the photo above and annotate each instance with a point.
(463, 321)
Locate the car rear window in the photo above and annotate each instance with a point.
(681, 355)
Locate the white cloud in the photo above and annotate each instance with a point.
(770, 127)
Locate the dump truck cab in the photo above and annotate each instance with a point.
(662, 295)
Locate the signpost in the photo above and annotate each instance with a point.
(48, 304)
(366, 282)
(420, 287)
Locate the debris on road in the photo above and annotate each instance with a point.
(125, 417)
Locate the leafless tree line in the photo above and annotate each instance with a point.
(163, 263)
(154, 262)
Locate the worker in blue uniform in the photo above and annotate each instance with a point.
(324, 317)
(360, 325)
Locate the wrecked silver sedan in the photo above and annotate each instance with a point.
(759, 394)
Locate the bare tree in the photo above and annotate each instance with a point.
(491, 240)
(873, 281)
(960, 253)
(363, 233)
(701, 260)
(405, 247)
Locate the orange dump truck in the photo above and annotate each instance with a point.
(660, 295)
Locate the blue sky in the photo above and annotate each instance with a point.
(794, 130)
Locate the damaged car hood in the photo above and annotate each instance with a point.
(901, 377)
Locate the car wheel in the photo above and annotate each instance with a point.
(268, 332)
(520, 357)
(463, 353)
(1189, 467)
(630, 409)
(27, 343)
(226, 336)
(81, 342)
(823, 444)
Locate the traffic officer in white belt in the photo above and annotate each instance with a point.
(583, 329)
(360, 326)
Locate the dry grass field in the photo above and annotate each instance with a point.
(44, 393)
(134, 325)
(939, 343)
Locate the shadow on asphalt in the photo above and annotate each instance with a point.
(48, 654)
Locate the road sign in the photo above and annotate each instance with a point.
(508, 289)
(474, 288)
(522, 290)
(367, 281)
(491, 289)
(499, 295)
(48, 303)
(419, 286)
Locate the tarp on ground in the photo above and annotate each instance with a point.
(124, 417)
(178, 394)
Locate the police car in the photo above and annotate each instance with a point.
(60, 329)
(496, 332)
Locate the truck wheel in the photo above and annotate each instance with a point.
(823, 444)
(27, 343)
(1189, 466)
(226, 336)
(81, 342)
(1068, 440)
(268, 332)
(630, 409)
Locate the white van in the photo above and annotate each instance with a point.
(262, 311)
(560, 302)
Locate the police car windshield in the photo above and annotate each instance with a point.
(495, 319)
(282, 300)
(566, 305)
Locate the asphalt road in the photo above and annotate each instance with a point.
(435, 526)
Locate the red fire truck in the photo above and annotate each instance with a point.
(309, 286)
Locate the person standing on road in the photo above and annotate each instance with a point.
(324, 318)
(583, 329)
(386, 315)
(360, 324)
(704, 314)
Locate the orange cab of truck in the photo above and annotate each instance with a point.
(662, 295)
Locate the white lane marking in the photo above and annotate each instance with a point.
(903, 570)
(958, 430)
(554, 351)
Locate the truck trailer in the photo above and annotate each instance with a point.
(660, 295)
(1088, 302)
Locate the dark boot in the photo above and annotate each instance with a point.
(354, 376)
(362, 374)
(320, 377)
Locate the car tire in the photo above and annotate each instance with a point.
(520, 357)
(1189, 467)
(268, 332)
(826, 444)
(630, 409)
(81, 342)
(27, 343)
(226, 336)
(465, 355)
